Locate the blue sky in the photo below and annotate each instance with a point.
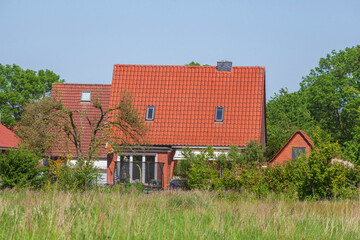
(82, 40)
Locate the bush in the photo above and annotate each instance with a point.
(303, 178)
(19, 169)
(79, 176)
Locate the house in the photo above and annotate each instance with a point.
(188, 107)
(298, 144)
(8, 139)
(80, 97)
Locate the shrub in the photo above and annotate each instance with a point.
(79, 176)
(19, 169)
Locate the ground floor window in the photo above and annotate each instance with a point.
(142, 168)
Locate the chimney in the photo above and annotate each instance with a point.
(224, 66)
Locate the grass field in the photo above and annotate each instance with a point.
(171, 215)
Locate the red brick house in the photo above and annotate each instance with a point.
(298, 143)
(182, 106)
(191, 106)
(8, 139)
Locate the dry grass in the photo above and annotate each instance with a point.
(171, 215)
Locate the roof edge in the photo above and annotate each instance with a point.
(82, 84)
(180, 66)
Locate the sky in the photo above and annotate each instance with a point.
(82, 40)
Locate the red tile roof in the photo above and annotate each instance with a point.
(70, 95)
(185, 98)
(8, 138)
(302, 134)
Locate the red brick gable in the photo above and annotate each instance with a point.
(185, 98)
(299, 140)
(70, 95)
(8, 138)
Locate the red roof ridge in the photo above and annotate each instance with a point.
(82, 84)
(180, 66)
(303, 134)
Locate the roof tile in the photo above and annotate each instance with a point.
(186, 97)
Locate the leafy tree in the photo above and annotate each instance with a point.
(254, 153)
(195, 64)
(48, 123)
(285, 114)
(38, 125)
(19, 87)
(332, 91)
(18, 168)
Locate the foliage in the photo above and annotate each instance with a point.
(199, 170)
(253, 153)
(285, 114)
(332, 92)
(303, 178)
(79, 176)
(195, 64)
(19, 87)
(48, 124)
(19, 169)
(38, 125)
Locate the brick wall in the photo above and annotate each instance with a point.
(286, 153)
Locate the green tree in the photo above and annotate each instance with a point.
(19, 168)
(195, 64)
(285, 114)
(332, 93)
(19, 87)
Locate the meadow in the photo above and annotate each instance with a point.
(118, 214)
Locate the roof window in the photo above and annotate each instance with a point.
(150, 113)
(219, 114)
(85, 96)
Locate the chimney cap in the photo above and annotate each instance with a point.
(224, 66)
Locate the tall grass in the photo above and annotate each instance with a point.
(171, 215)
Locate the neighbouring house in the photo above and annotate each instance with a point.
(8, 139)
(188, 107)
(80, 97)
(298, 144)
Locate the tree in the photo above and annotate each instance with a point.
(195, 64)
(285, 114)
(19, 87)
(19, 168)
(48, 123)
(332, 91)
(38, 125)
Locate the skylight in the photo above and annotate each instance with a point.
(85, 96)
(150, 113)
(219, 114)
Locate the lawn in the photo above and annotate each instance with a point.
(115, 214)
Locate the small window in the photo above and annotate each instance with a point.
(85, 96)
(296, 152)
(219, 114)
(150, 113)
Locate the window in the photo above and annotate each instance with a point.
(219, 114)
(85, 96)
(150, 113)
(296, 152)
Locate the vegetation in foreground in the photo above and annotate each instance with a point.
(122, 214)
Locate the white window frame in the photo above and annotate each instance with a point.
(82, 98)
